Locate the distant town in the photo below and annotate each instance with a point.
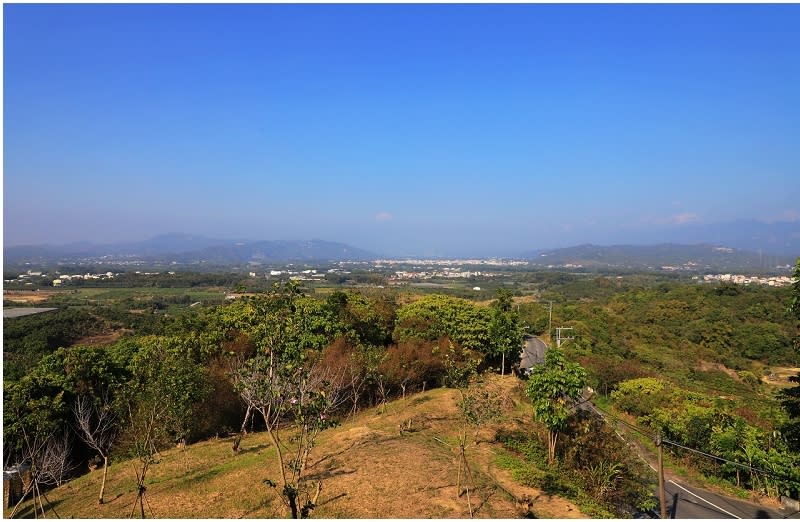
(396, 271)
(747, 280)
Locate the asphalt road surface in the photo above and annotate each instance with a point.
(684, 501)
(532, 353)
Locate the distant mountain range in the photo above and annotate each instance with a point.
(188, 249)
(673, 256)
(778, 238)
(191, 249)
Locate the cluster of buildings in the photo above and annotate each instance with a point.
(35, 276)
(24, 278)
(747, 280)
(690, 266)
(447, 273)
(311, 274)
(62, 278)
(380, 263)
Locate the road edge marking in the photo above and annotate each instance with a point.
(704, 500)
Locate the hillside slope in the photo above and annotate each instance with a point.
(368, 468)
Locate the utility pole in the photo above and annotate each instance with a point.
(559, 339)
(661, 494)
(550, 324)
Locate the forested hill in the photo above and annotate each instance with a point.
(690, 257)
(700, 363)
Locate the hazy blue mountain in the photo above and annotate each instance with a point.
(276, 251)
(166, 244)
(781, 238)
(698, 257)
(187, 248)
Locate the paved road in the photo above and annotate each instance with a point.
(684, 501)
(532, 353)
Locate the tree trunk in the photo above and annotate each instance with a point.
(293, 504)
(552, 438)
(239, 437)
(185, 453)
(105, 474)
(503, 366)
(274, 440)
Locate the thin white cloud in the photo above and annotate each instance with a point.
(685, 217)
(382, 217)
(677, 219)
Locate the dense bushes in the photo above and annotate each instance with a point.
(715, 426)
(436, 316)
(596, 469)
(27, 339)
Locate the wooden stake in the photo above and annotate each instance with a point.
(661, 492)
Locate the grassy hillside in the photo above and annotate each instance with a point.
(368, 467)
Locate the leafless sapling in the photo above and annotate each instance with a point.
(97, 427)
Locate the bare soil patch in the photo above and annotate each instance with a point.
(706, 366)
(99, 340)
(780, 376)
(27, 296)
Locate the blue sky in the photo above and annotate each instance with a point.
(404, 129)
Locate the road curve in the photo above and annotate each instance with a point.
(532, 353)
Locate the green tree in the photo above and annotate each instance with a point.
(553, 388)
(640, 396)
(280, 382)
(506, 330)
(436, 316)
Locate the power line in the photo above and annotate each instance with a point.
(746, 466)
(707, 455)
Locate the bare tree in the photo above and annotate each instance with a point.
(56, 466)
(33, 447)
(97, 428)
(333, 381)
(144, 427)
(47, 458)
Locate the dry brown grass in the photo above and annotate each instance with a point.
(100, 339)
(27, 296)
(368, 467)
(705, 366)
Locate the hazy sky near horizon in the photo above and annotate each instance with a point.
(424, 129)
